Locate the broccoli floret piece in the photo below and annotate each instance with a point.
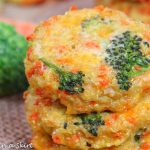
(68, 81)
(91, 122)
(93, 22)
(124, 54)
(139, 134)
(12, 53)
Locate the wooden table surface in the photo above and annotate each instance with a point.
(43, 11)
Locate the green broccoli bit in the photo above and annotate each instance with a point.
(93, 22)
(68, 81)
(91, 122)
(139, 134)
(12, 53)
(124, 53)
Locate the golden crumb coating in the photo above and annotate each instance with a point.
(88, 72)
(49, 121)
(78, 42)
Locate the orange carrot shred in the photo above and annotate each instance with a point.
(38, 69)
(56, 139)
(118, 134)
(145, 146)
(75, 138)
(92, 44)
(29, 52)
(93, 103)
(34, 116)
(113, 117)
(39, 91)
(37, 102)
(131, 120)
(47, 102)
(104, 82)
(73, 7)
(30, 37)
(138, 68)
(100, 8)
(25, 94)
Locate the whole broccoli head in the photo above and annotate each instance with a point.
(12, 53)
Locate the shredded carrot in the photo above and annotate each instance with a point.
(93, 103)
(76, 137)
(144, 10)
(47, 102)
(145, 146)
(56, 139)
(30, 37)
(104, 82)
(131, 120)
(73, 7)
(113, 117)
(118, 134)
(92, 44)
(25, 94)
(34, 116)
(138, 68)
(38, 69)
(29, 52)
(124, 22)
(46, 23)
(146, 133)
(51, 21)
(62, 48)
(39, 91)
(103, 79)
(100, 8)
(37, 102)
(146, 89)
(62, 92)
(103, 70)
(74, 70)
(110, 148)
(128, 10)
(54, 19)
(147, 35)
(64, 60)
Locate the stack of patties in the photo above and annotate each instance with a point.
(89, 79)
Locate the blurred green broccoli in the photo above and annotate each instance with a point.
(13, 48)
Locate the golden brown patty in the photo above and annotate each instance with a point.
(49, 120)
(89, 76)
(84, 41)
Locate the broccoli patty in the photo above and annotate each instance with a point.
(90, 60)
(87, 131)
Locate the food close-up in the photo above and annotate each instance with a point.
(75, 75)
(88, 72)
